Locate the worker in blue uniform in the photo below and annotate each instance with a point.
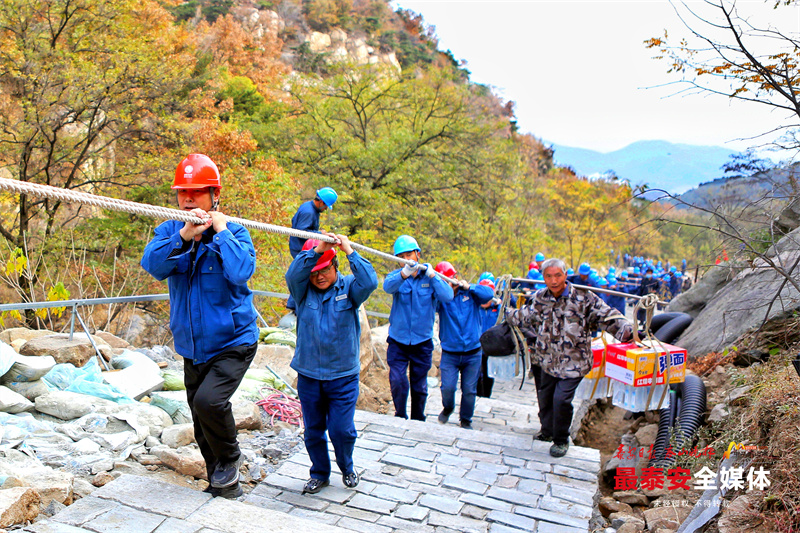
(489, 313)
(460, 331)
(326, 357)
(416, 291)
(213, 322)
(307, 216)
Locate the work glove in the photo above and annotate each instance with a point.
(495, 301)
(464, 284)
(429, 271)
(410, 270)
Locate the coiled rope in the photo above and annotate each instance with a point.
(169, 213)
(278, 404)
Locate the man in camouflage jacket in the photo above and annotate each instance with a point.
(563, 318)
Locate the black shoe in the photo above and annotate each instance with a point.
(350, 480)
(544, 438)
(559, 450)
(230, 493)
(444, 416)
(466, 424)
(315, 485)
(226, 474)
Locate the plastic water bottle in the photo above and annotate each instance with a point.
(502, 368)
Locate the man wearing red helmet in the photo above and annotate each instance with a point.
(460, 331)
(212, 318)
(327, 354)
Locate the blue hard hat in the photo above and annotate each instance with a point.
(603, 282)
(486, 275)
(612, 280)
(539, 256)
(623, 274)
(636, 270)
(612, 270)
(570, 272)
(405, 243)
(673, 268)
(584, 269)
(328, 196)
(535, 274)
(593, 271)
(678, 274)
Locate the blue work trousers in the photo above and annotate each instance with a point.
(329, 406)
(408, 368)
(469, 365)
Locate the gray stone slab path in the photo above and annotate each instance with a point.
(424, 476)
(415, 476)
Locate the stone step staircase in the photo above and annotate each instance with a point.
(415, 476)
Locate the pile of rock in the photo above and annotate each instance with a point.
(65, 430)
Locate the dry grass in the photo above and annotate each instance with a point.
(771, 420)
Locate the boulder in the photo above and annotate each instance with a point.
(365, 349)
(178, 435)
(144, 415)
(719, 413)
(277, 357)
(112, 340)
(11, 335)
(187, 460)
(608, 505)
(742, 305)
(646, 435)
(318, 42)
(65, 405)
(695, 299)
(743, 514)
(631, 498)
(51, 485)
(667, 517)
(246, 414)
(379, 337)
(76, 351)
(18, 506)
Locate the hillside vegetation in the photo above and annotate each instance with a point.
(107, 96)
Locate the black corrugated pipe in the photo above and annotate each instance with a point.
(692, 409)
(670, 331)
(688, 400)
(666, 419)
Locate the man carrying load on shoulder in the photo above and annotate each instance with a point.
(563, 319)
(416, 291)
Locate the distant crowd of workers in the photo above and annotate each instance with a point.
(636, 276)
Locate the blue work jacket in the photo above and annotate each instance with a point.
(328, 330)
(617, 302)
(489, 316)
(307, 219)
(460, 324)
(414, 301)
(211, 307)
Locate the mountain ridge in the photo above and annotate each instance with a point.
(674, 167)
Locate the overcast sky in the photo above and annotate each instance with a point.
(581, 76)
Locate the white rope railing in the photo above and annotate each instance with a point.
(169, 213)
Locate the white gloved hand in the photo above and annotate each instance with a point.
(495, 301)
(429, 271)
(409, 270)
(464, 284)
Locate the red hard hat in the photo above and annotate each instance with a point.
(445, 269)
(327, 255)
(532, 265)
(197, 171)
(487, 282)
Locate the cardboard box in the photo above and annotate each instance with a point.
(633, 365)
(598, 368)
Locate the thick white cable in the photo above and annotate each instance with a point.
(154, 211)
